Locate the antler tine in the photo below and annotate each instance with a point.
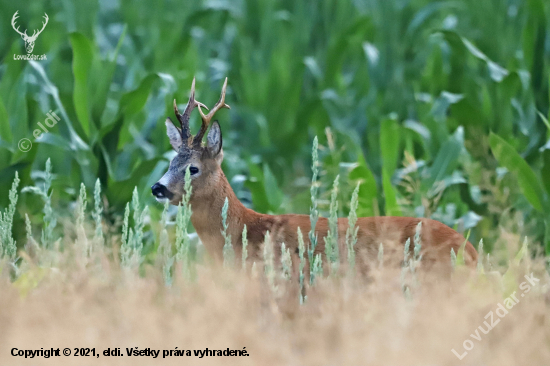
(184, 119)
(207, 118)
(13, 19)
(46, 18)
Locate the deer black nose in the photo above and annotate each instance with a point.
(160, 191)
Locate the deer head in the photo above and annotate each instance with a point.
(204, 161)
(29, 41)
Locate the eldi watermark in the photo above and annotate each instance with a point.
(492, 320)
(25, 144)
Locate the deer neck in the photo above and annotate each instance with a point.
(207, 216)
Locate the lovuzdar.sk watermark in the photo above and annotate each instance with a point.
(492, 320)
(29, 40)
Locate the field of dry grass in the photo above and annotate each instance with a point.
(94, 303)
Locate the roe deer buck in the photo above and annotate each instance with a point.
(210, 189)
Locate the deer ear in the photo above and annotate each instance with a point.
(214, 141)
(174, 134)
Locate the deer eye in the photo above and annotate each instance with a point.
(193, 170)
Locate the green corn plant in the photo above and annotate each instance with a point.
(183, 245)
(351, 232)
(313, 213)
(331, 240)
(228, 251)
(533, 188)
(99, 240)
(245, 248)
(7, 243)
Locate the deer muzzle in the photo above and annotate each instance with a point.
(160, 192)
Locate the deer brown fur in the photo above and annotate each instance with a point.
(210, 188)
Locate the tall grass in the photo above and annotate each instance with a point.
(7, 243)
(302, 264)
(132, 243)
(244, 256)
(331, 240)
(228, 251)
(269, 262)
(351, 232)
(49, 219)
(347, 305)
(313, 212)
(164, 251)
(183, 218)
(99, 239)
(410, 92)
(286, 263)
(81, 239)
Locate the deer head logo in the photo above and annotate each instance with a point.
(29, 40)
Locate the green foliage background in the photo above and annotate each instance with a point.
(439, 107)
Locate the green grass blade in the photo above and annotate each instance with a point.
(528, 181)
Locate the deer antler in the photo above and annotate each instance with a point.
(197, 140)
(184, 119)
(13, 19)
(34, 34)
